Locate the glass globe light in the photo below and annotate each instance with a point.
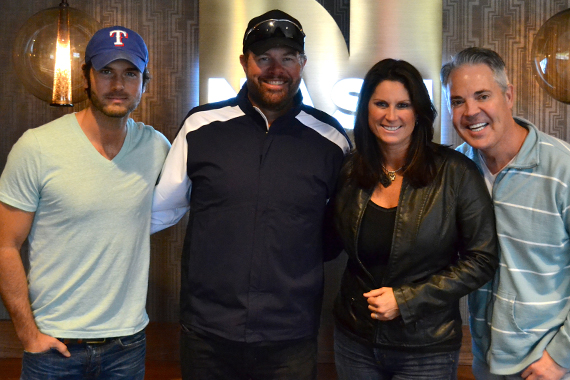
(551, 56)
(36, 51)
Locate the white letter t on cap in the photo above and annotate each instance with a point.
(119, 34)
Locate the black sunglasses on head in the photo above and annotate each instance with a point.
(268, 29)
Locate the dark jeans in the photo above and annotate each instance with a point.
(481, 371)
(122, 358)
(204, 358)
(356, 361)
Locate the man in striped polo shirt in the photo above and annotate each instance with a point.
(519, 321)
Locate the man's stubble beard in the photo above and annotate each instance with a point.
(108, 111)
(271, 100)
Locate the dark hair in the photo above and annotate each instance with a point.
(476, 56)
(419, 168)
(86, 67)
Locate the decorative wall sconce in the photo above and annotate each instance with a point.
(551, 56)
(49, 50)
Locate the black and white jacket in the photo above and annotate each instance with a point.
(252, 259)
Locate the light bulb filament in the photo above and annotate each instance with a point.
(62, 72)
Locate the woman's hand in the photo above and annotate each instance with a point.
(383, 304)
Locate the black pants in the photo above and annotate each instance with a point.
(205, 358)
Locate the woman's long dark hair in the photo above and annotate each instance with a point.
(419, 168)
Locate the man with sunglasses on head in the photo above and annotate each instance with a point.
(256, 172)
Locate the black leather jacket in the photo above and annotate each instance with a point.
(444, 246)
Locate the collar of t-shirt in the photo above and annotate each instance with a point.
(490, 177)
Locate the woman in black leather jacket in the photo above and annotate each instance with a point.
(417, 223)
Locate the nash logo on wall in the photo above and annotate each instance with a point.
(342, 43)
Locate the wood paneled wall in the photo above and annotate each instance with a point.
(509, 28)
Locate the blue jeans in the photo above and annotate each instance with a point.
(356, 361)
(207, 358)
(481, 371)
(122, 358)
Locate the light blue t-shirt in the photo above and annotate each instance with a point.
(89, 241)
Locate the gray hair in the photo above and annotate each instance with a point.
(476, 56)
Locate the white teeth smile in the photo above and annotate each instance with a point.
(275, 82)
(391, 129)
(477, 127)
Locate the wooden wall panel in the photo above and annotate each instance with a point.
(508, 27)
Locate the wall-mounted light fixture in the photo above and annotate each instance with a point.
(49, 50)
(551, 56)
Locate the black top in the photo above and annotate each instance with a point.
(375, 239)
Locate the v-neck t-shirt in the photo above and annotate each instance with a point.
(89, 240)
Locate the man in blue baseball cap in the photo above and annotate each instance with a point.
(113, 43)
(80, 189)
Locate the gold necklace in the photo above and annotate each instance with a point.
(392, 173)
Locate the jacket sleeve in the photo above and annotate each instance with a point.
(171, 198)
(477, 254)
(332, 244)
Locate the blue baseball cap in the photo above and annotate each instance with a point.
(116, 42)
